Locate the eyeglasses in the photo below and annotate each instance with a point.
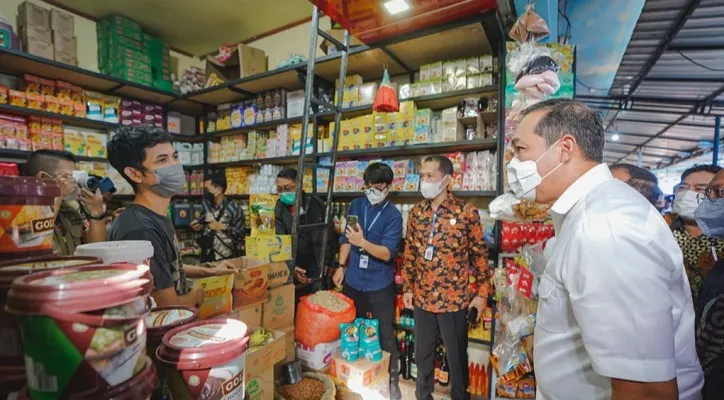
(374, 190)
(712, 194)
(284, 189)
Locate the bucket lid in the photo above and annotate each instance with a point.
(163, 319)
(204, 344)
(24, 266)
(25, 186)
(79, 289)
(129, 249)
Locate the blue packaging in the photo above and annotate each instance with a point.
(369, 345)
(350, 341)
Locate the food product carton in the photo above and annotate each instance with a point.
(319, 357)
(377, 390)
(260, 359)
(269, 248)
(250, 284)
(62, 22)
(278, 309)
(358, 374)
(33, 15)
(260, 386)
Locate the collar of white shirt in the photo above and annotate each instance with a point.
(582, 186)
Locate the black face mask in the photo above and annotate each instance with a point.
(209, 196)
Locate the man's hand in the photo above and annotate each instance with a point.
(93, 202)
(199, 295)
(355, 236)
(195, 226)
(338, 277)
(300, 274)
(478, 303)
(223, 268)
(407, 301)
(217, 226)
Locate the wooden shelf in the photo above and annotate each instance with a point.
(75, 121)
(419, 149)
(187, 138)
(276, 160)
(22, 155)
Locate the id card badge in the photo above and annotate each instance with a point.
(429, 253)
(364, 261)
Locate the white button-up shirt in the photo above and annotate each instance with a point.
(614, 301)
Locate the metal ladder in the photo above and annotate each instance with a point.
(309, 101)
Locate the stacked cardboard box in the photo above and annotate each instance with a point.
(126, 52)
(65, 43)
(48, 34)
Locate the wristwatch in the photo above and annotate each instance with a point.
(101, 217)
(340, 265)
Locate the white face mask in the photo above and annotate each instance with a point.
(685, 204)
(375, 196)
(523, 176)
(430, 190)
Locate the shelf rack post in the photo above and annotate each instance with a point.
(309, 100)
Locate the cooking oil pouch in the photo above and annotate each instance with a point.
(262, 214)
(350, 341)
(370, 340)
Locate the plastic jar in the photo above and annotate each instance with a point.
(122, 251)
(83, 327)
(206, 360)
(158, 323)
(11, 351)
(27, 218)
(139, 387)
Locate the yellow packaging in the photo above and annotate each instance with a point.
(366, 127)
(262, 214)
(345, 141)
(407, 109)
(74, 142)
(217, 290)
(95, 144)
(269, 248)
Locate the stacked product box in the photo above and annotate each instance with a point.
(84, 142)
(451, 76)
(136, 113)
(126, 52)
(57, 97)
(34, 30)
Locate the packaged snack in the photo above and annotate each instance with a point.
(111, 107)
(350, 341)
(52, 104)
(369, 342)
(64, 90)
(94, 105)
(33, 84)
(262, 214)
(47, 87)
(34, 101)
(66, 106)
(526, 388)
(3, 95)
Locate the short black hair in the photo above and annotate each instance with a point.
(446, 166)
(637, 172)
(648, 189)
(288, 173)
(46, 161)
(714, 169)
(571, 117)
(127, 147)
(378, 173)
(219, 181)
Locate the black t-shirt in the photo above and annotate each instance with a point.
(137, 222)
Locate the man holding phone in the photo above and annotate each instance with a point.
(371, 241)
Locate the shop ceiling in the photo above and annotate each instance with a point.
(198, 27)
(669, 87)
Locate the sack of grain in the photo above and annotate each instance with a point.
(319, 316)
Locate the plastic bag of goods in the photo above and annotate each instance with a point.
(312, 386)
(319, 316)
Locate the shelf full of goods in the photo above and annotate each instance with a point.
(534, 72)
(249, 313)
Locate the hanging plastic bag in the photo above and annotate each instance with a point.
(319, 316)
(386, 99)
(530, 26)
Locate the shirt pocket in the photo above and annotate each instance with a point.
(552, 312)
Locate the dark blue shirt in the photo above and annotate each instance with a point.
(386, 231)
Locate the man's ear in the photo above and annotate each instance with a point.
(133, 174)
(568, 147)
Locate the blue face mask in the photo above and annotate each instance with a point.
(710, 218)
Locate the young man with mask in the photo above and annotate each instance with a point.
(444, 248)
(710, 306)
(643, 180)
(701, 252)
(371, 246)
(146, 158)
(615, 318)
(221, 224)
(80, 215)
(309, 259)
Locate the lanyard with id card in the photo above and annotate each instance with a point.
(364, 258)
(430, 250)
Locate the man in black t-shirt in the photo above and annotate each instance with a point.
(146, 158)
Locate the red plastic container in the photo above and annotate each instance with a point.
(206, 359)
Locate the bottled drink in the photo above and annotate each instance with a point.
(444, 374)
(407, 361)
(402, 358)
(413, 362)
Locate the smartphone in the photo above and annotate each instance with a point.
(352, 221)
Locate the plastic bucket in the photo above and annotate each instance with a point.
(27, 218)
(122, 251)
(83, 328)
(139, 387)
(206, 360)
(12, 380)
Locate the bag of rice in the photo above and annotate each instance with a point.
(319, 316)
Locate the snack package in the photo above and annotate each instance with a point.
(350, 341)
(111, 107)
(94, 105)
(369, 345)
(262, 214)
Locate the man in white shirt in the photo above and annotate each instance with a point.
(615, 317)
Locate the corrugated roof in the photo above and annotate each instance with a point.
(669, 86)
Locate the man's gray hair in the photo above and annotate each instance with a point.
(571, 117)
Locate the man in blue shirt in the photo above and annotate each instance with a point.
(371, 246)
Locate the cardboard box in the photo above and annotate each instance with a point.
(277, 274)
(40, 49)
(260, 386)
(62, 22)
(32, 15)
(269, 248)
(36, 34)
(65, 44)
(267, 356)
(250, 315)
(319, 357)
(250, 285)
(290, 345)
(64, 58)
(359, 374)
(278, 310)
(244, 61)
(377, 390)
